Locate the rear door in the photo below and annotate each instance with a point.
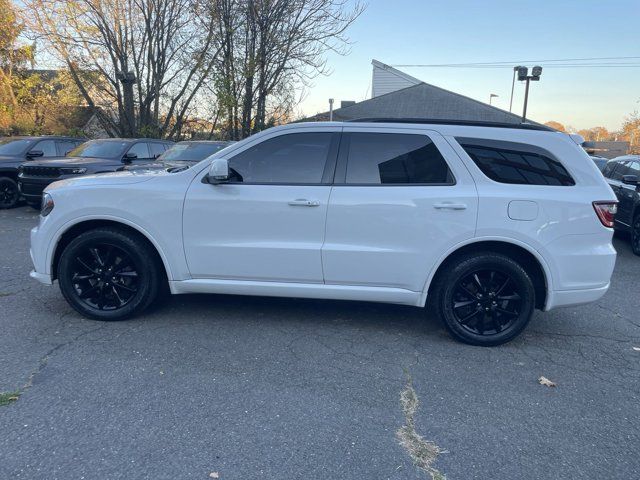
(627, 193)
(401, 199)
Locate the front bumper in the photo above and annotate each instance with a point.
(41, 277)
(31, 188)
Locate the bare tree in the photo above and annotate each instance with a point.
(147, 60)
(271, 49)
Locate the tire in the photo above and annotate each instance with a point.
(9, 193)
(484, 299)
(635, 235)
(109, 274)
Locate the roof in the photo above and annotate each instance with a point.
(41, 137)
(423, 101)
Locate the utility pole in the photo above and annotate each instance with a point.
(331, 109)
(523, 75)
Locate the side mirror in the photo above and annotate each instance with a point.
(630, 180)
(35, 154)
(129, 156)
(218, 172)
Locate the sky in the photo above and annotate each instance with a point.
(398, 32)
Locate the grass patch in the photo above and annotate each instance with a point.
(423, 452)
(9, 397)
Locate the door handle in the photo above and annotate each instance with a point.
(450, 206)
(303, 202)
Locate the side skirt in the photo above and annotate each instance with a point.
(299, 290)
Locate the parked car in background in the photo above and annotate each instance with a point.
(182, 155)
(485, 221)
(623, 174)
(14, 151)
(599, 161)
(95, 156)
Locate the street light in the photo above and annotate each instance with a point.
(523, 76)
(492, 96)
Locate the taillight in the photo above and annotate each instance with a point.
(606, 212)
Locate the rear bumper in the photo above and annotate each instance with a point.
(567, 298)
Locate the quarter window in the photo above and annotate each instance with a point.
(395, 159)
(516, 163)
(296, 158)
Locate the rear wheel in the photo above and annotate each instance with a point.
(485, 299)
(109, 274)
(635, 235)
(9, 193)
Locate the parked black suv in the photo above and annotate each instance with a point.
(182, 155)
(14, 151)
(623, 174)
(95, 156)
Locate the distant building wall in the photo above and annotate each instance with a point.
(607, 149)
(387, 79)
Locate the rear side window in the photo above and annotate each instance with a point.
(516, 163)
(395, 159)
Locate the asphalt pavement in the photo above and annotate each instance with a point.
(235, 387)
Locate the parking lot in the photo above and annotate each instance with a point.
(241, 388)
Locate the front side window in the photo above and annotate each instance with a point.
(140, 150)
(607, 171)
(515, 163)
(65, 146)
(395, 159)
(157, 149)
(47, 147)
(619, 171)
(634, 169)
(296, 158)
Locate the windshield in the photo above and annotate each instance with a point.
(191, 152)
(15, 146)
(100, 149)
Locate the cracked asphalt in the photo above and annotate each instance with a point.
(255, 388)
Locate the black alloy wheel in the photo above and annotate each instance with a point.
(9, 193)
(104, 277)
(110, 273)
(486, 302)
(484, 298)
(635, 235)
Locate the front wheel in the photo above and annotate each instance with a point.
(9, 193)
(485, 299)
(109, 274)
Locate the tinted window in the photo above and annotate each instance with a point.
(619, 170)
(192, 152)
(608, 169)
(157, 149)
(515, 163)
(65, 146)
(389, 158)
(294, 158)
(100, 149)
(140, 150)
(10, 146)
(48, 147)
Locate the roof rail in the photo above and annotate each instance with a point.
(470, 123)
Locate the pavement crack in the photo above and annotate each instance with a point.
(423, 452)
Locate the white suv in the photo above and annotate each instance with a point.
(487, 222)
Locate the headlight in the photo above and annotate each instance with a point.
(47, 205)
(72, 170)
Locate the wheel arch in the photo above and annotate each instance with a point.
(531, 260)
(69, 232)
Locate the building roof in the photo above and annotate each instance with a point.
(422, 101)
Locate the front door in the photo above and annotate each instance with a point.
(401, 199)
(267, 223)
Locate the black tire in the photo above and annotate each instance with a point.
(9, 193)
(635, 235)
(110, 274)
(484, 299)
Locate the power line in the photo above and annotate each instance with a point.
(516, 62)
(576, 65)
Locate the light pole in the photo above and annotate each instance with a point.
(523, 75)
(513, 84)
(492, 96)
